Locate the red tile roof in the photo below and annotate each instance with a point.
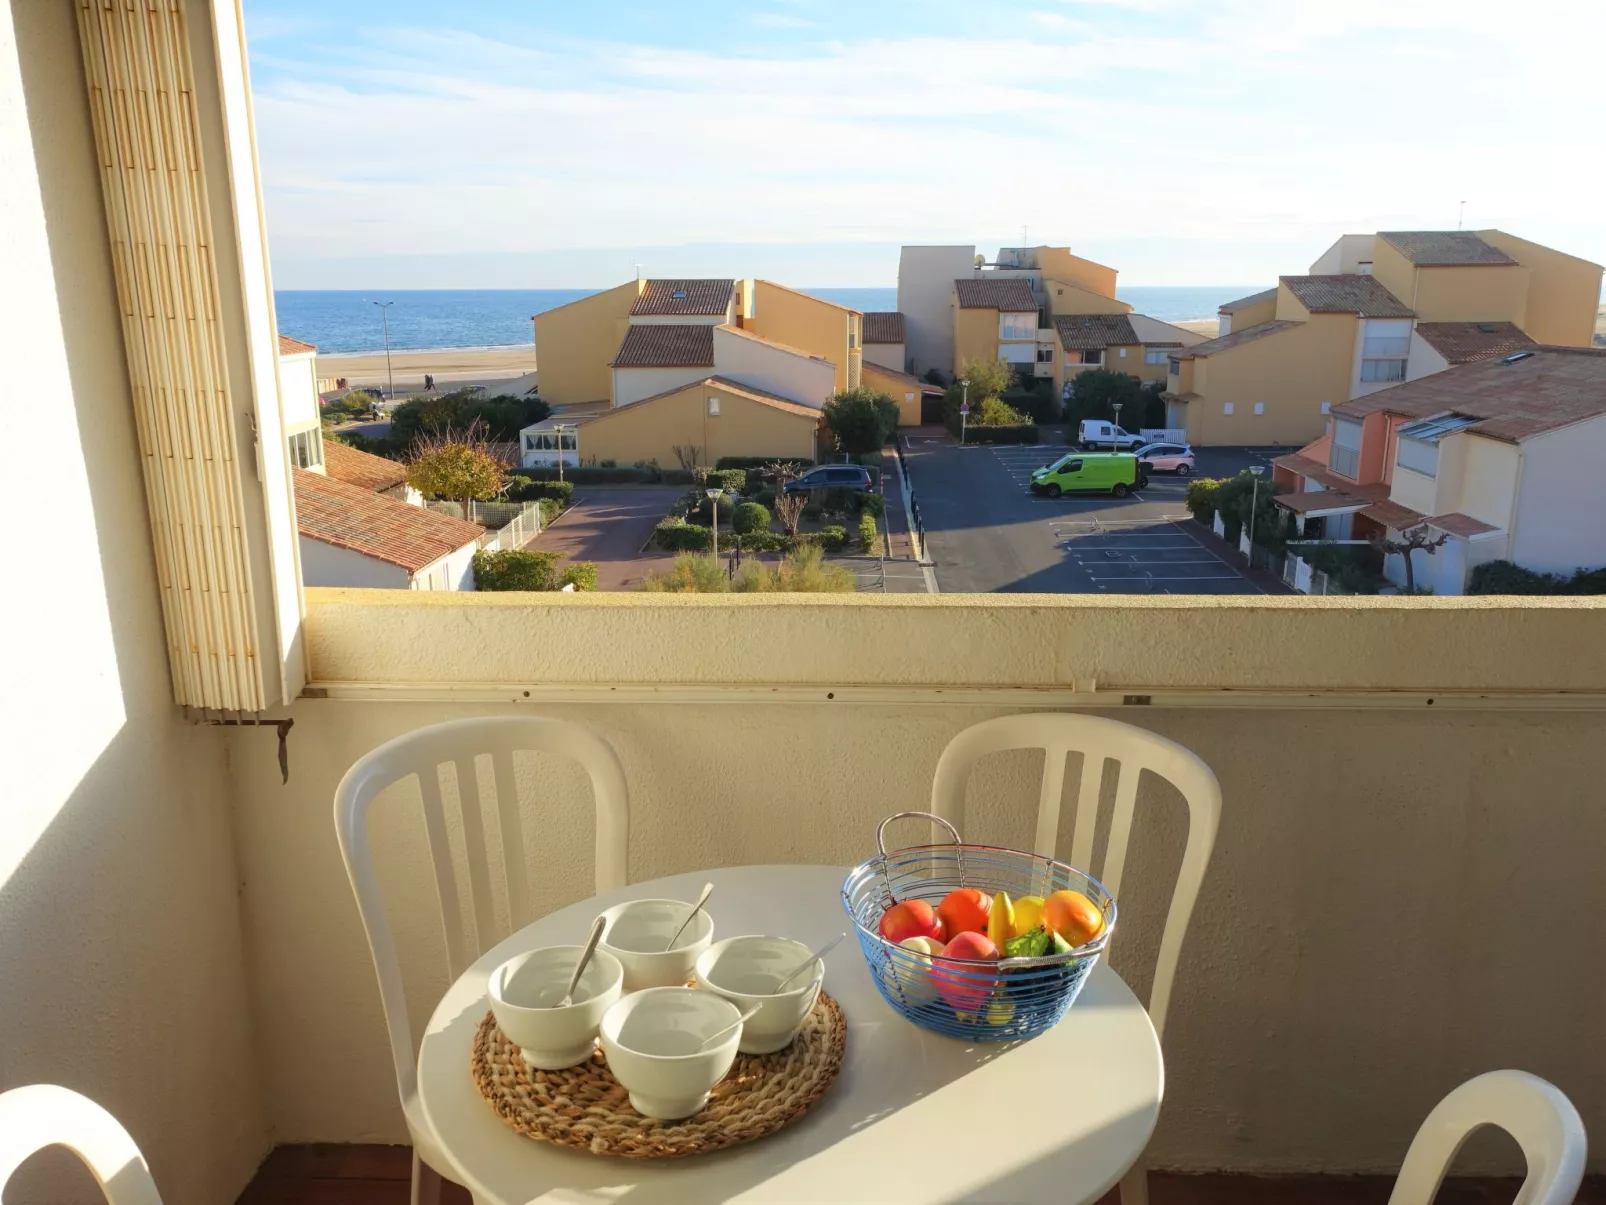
(688, 298)
(1346, 294)
(351, 517)
(294, 347)
(883, 326)
(1237, 338)
(1011, 295)
(1084, 331)
(667, 345)
(1393, 515)
(1464, 342)
(1444, 248)
(362, 469)
(1315, 470)
(1546, 389)
(1243, 303)
(1458, 524)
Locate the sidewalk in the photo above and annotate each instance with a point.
(900, 545)
(1268, 582)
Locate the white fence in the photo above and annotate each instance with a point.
(507, 524)
(1164, 435)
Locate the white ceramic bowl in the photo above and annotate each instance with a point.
(650, 1039)
(637, 933)
(747, 970)
(523, 988)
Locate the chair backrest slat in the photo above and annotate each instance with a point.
(440, 850)
(512, 830)
(422, 755)
(477, 851)
(1098, 740)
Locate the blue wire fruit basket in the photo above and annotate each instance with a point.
(1002, 1001)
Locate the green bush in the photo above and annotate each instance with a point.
(677, 535)
(522, 488)
(765, 498)
(862, 419)
(732, 481)
(596, 476)
(1504, 577)
(768, 541)
(1023, 434)
(1201, 498)
(1095, 391)
(1036, 402)
(750, 516)
(504, 416)
(582, 575)
(803, 571)
(869, 533)
(550, 509)
(689, 575)
(873, 504)
(516, 569)
(831, 539)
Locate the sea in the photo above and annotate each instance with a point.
(343, 321)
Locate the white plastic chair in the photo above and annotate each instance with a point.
(42, 1115)
(1534, 1112)
(1135, 750)
(422, 755)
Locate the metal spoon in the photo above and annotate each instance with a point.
(708, 890)
(585, 957)
(741, 1020)
(808, 962)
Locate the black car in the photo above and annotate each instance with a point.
(832, 477)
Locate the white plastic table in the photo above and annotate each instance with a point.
(913, 1116)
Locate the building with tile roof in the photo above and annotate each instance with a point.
(885, 340)
(671, 345)
(822, 328)
(679, 299)
(1134, 344)
(1436, 346)
(351, 536)
(300, 402)
(1009, 295)
(1496, 454)
(376, 474)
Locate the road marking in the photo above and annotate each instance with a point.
(1155, 577)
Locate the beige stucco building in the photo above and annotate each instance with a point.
(885, 339)
(1286, 357)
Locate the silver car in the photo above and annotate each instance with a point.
(1166, 458)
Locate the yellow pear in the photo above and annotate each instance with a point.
(1001, 920)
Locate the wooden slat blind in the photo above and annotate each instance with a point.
(140, 76)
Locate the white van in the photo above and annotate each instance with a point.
(1102, 434)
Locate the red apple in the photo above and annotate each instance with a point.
(966, 988)
(912, 918)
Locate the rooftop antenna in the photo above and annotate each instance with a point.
(1461, 213)
(1023, 235)
(638, 272)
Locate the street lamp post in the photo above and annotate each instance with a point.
(1254, 500)
(964, 407)
(390, 379)
(713, 515)
(1115, 427)
(558, 431)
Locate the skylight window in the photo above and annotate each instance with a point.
(679, 294)
(1515, 356)
(1431, 430)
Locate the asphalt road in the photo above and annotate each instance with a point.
(988, 533)
(609, 526)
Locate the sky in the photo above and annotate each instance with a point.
(530, 144)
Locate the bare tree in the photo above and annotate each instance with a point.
(1410, 540)
(690, 457)
(789, 510)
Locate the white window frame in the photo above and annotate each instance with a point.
(713, 406)
(1156, 355)
(1014, 325)
(1226, 408)
(1260, 407)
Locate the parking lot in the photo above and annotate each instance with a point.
(986, 532)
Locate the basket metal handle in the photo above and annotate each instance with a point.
(881, 829)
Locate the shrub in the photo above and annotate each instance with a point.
(874, 504)
(750, 516)
(869, 533)
(934, 377)
(1504, 577)
(1023, 434)
(1036, 403)
(550, 509)
(732, 481)
(804, 571)
(831, 539)
(516, 569)
(765, 497)
(1094, 392)
(862, 419)
(595, 476)
(607, 464)
(1201, 498)
(522, 488)
(768, 541)
(689, 575)
(503, 416)
(677, 535)
(582, 575)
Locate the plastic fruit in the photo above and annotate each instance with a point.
(1001, 920)
(965, 988)
(1073, 916)
(1028, 913)
(1033, 944)
(923, 945)
(965, 910)
(912, 918)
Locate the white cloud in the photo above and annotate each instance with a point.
(1236, 128)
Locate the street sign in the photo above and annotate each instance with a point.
(964, 408)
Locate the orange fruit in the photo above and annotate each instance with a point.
(965, 910)
(1073, 916)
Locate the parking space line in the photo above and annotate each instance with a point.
(1155, 577)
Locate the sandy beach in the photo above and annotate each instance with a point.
(455, 366)
(1208, 327)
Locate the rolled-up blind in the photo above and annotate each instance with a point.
(194, 428)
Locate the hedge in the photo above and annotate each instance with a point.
(1202, 498)
(582, 575)
(869, 533)
(635, 475)
(1504, 577)
(516, 569)
(677, 535)
(1026, 434)
(758, 462)
(732, 481)
(550, 509)
(831, 539)
(748, 517)
(526, 489)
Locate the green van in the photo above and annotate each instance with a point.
(1114, 473)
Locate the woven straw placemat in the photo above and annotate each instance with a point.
(586, 1108)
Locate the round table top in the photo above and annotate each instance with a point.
(913, 1116)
